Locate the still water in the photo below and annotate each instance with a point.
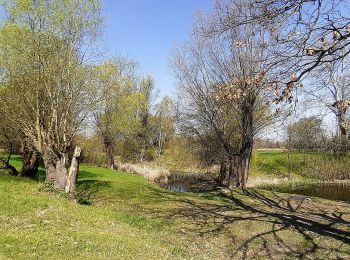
(331, 191)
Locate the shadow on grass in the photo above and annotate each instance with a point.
(83, 174)
(88, 188)
(271, 220)
(247, 222)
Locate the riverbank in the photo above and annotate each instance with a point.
(202, 182)
(120, 215)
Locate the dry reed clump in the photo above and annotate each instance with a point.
(153, 173)
(254, 182)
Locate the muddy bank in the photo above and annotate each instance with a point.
(189, 182)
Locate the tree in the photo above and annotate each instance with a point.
(8, 139)
(307, 133)
(115, 115)
(147, 98)
(15, 142)
(225, 89)
(43, 45)
(164, 118)
(305, 34)
(329, 88)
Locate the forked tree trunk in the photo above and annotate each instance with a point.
(7, 165)
(30, 160)
(57, 172)
(73, 171)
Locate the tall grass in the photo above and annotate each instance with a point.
(150, 172)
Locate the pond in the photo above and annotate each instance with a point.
(201, 186)
(331, 191)
(326, 190)
(189, 182)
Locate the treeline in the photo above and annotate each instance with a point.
(307, 134)
(243, 69)
(57, 97)
(128, 119)
(310, 134)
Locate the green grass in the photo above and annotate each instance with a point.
(123, 216)
(299, 164)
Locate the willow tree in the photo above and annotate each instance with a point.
(304, 34)
(164, 123)
(147, 98)
(117, 106)
(9, 140)
(43, 45)
(226, 89)
(329, 91)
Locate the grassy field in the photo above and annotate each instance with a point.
(314, 165)
(271, 163)
(123, 216)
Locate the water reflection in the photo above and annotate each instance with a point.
(331, 191)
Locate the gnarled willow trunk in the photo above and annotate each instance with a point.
(30, 160)
(56, 170)
(240, 166)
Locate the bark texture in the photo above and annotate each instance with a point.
(55, 168)
(73, 171)
(30, 160)
(223, 173)
(110, 156)
(240, 166)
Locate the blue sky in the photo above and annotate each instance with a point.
(148, 30)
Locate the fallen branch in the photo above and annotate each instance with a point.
(9, 167)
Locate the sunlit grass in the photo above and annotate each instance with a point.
(124, 216)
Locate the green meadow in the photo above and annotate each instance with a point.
(114, 215)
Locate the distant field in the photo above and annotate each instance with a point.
(124, 216)
(320, 165)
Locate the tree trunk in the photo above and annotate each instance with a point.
(343, 130)
(160, 142)
(240, 167)
(7, 164)
(143, 151)
(30, 160)
(235, 172)
(30, 164)
(110, 156)
(73, 171)
(245, 161)
(222, 175)
(55, 168)
(9, 167)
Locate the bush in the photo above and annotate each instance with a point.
(92, 150)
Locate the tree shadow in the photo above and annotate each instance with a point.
(276, 218)
(87, 188)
